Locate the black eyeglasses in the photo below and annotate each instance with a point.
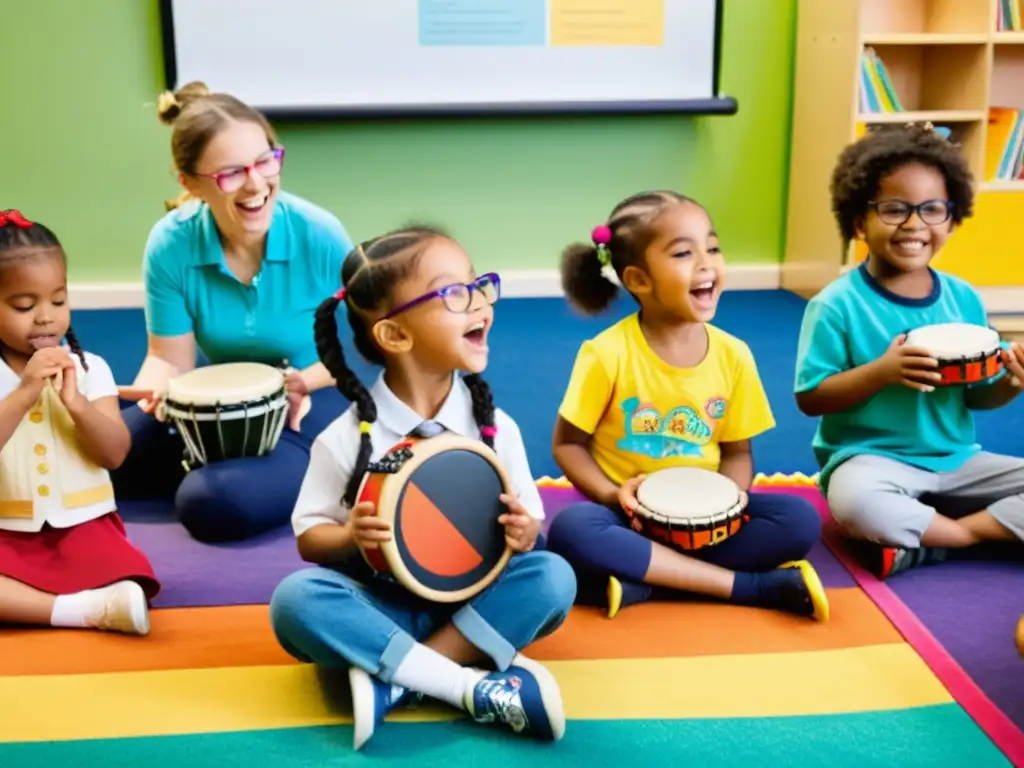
(457, 297)
(898, 212)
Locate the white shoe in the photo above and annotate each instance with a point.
(121, 607)
(372, 700)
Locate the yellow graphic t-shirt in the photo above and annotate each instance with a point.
(646, 415)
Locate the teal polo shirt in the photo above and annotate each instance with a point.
(852, 322)
(190, 289)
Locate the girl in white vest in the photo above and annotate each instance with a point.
(65, 560)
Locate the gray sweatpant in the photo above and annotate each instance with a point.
(887, 501)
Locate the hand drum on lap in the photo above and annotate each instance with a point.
(440, 495)
(689, 508)
(227, 411)
(966, 353)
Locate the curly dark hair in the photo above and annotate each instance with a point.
(863, 164)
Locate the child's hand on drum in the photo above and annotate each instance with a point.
(912, 367)
(521, 528)
(368, 530)
(628, 500)
(627, 494)
(1013, 359)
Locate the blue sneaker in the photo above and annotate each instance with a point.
(372, 699)
(525, 697)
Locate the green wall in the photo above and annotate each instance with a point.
(83, 151)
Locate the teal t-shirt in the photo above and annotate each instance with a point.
(852, 322)
(190, 289)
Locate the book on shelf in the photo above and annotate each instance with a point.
(1008, 19)
(877, 93)
(1004, 153)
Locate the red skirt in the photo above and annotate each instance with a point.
(63, 561)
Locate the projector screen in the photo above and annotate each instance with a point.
(335, 58)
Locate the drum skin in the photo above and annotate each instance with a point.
(440, 495)
(966, 353)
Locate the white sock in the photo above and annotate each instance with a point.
(72, 610)
(428, 672)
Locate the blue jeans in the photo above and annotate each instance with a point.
(599, 542)
(323, 616)
(227, 500)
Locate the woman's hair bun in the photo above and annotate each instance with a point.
(170, 103)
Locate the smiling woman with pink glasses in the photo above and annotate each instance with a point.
(234, 270)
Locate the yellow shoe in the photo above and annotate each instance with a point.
(815, 590)
(614, 596)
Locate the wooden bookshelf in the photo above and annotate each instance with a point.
(948, 64)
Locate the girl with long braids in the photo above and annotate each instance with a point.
(65, 560)
(418, 309)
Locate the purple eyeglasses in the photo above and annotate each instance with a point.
(232, 179)
(457, 297)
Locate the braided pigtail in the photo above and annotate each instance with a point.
(76, 347)
(369, 275)
(483, 407)
(328, 347)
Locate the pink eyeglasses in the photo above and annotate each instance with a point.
(232, 179)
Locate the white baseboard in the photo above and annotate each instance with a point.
(1001, 301)
(515, 284)
(105, 295)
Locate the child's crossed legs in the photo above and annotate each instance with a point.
(897, 505)
(408, 645)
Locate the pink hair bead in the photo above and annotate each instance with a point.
(488, 431)
(601, 235)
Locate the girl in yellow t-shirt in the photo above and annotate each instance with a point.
(664, 388)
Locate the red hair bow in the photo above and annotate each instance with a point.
(15, 218)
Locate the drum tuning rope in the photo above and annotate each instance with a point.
(391, 463)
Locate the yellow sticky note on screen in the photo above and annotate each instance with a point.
(607, 22)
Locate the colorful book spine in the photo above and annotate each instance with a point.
(1008, 17)
(877, 92)
(1004, 154)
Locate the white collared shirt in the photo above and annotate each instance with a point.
(333, 455)
(45, 476)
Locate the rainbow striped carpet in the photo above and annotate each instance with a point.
(701, 683)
